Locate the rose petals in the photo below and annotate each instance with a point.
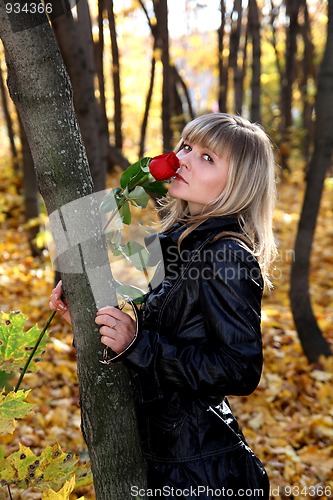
(163, 167)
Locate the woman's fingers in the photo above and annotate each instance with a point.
(57, 304)
(55, 299)
(117, 329)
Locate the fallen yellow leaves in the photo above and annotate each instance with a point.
(62, 494)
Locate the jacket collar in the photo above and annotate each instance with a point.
(207, 230)
(160, 242)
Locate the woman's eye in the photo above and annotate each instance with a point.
(186, 147)
(207, 157)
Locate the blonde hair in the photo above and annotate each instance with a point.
(249, 193)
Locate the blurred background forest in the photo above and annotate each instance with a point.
(140, 70)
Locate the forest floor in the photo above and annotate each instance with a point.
(288, 421)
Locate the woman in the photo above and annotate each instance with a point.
(199, 334)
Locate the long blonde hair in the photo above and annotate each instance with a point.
(249, 193)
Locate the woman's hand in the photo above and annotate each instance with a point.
(56, 304)
(117, 328)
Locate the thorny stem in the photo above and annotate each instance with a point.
(47, 324)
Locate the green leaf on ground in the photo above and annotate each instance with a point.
(51, 469)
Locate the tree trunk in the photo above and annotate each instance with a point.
(312, 340)
(178, 79)
(9, 123)
(117, 118)
(99, 58)
(254, 28)
(30, 190)
(161, 13)
(292, 10)
(73, 41)
(274, 13)
(284, 149)
(40, 87)
(235, 34)
(223, 71)
(100, 134)
(147, 106)
(308, 73)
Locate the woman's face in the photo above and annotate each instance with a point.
(201, 177)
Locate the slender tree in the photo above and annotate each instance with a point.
(308, 74)
(40, 87)
(254, 29)
(292, 29)
(8, 120)
(162, 43)
(99, 58)
(234, 44)
(176, 102)
(149, 96)
(117, 117)
(222, 69)
(312, 340)
(30, 191)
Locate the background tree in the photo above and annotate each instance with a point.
(75, 42)
(9, 122)
(222, 69)
(254, 30)
(30, 191)
(313, 342)
(117, 117)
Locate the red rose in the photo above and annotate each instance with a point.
(163, 167)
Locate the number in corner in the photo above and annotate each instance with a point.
(28, 8)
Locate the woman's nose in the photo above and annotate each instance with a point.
(185, 162)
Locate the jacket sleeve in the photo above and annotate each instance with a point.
(229, 360)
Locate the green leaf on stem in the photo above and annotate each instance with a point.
(145, 164)
(129, 291)
(139, 197)
(134, 173)
(156, 187)
(136, 253)
(16, 344)
(125, 213)
(111, 201)
(114, 241)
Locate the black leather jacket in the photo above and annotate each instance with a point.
(198, 342)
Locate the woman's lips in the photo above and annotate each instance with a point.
(180, 178)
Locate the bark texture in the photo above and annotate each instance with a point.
(40, 88)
